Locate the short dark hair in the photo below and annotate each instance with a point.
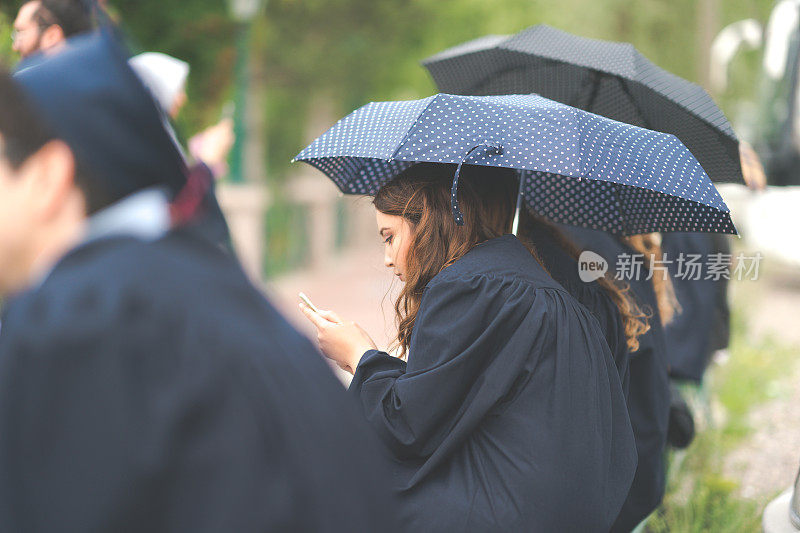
(23, 133)
(72, 16)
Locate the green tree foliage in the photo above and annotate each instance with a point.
(7, 56)
(354, 51)
(197, 31)
(344, 53)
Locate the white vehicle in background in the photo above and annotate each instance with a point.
(772, 126)
(782, 515)
(770, 219)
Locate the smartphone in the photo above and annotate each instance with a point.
(306, 301)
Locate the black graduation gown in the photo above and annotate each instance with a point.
(509, 415)
(564, 269)
(210, 221)
(649, 392)
(703, 325)
(150, 387)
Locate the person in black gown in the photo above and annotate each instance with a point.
(703, 325)
(145, 384)
(621, 320)
(508, 414)
(649, 392)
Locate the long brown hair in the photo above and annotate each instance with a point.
(421, 195)
(487, 199)
(634, 319)
(649, 245)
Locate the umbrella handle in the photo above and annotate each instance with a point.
(515, 225)
(491, 149)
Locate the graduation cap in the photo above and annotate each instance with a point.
(93, 101)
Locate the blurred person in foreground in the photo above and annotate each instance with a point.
(145, 384)
(45, 25)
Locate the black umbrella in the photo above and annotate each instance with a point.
(606, 78)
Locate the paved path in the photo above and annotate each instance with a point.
(767, 462)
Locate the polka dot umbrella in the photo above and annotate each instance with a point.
(575, 167)
(608, 78)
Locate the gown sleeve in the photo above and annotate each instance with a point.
(449, 380)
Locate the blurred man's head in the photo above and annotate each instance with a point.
(41, 207)
(90, 97)
(44, 25)
(78, 133)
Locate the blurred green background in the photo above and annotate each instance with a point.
(339, 54)
(312, 61)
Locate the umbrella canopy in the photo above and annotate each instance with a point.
(575, 167)
(607, 78)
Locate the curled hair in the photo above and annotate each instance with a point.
(487, 199)
(635, 321)
(421, 195)
(649, 245)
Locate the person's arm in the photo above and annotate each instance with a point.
(450, 378)
(342, 341)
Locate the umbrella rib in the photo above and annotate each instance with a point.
(595, 78)
(625, 89)
(625, 225)
(414, 125)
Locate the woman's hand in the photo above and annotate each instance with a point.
(343, 342)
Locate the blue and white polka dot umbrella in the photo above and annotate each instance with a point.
(576, 167)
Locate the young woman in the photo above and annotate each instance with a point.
(508, 414)
(621, 319)
(649, 394)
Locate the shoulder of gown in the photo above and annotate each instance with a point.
(495, 302)
(502, 360)
(564, 269)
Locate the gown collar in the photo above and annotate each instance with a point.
(143, 215)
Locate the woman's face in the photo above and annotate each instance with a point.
(396, 234)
